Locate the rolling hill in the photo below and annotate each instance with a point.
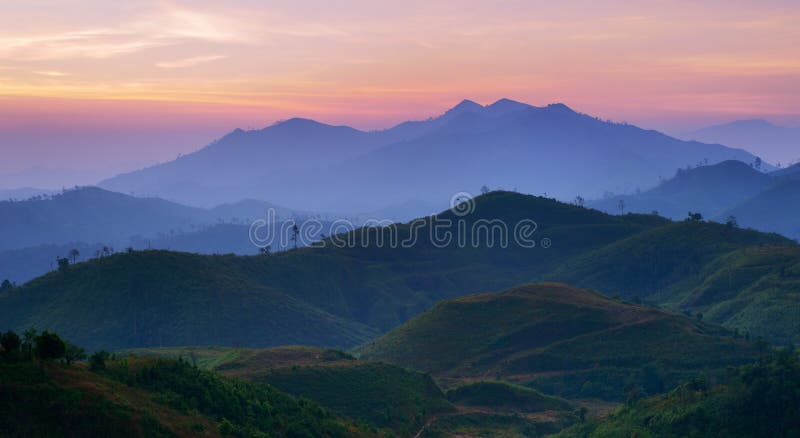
(563, 340)
(388, 399)
(341, 295)
(468, 146)
(753, 401)
(152, 298)
(382, 395)
(137, 398)
(742, 279)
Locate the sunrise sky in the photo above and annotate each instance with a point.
(98, 84)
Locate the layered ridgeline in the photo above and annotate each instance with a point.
(35, 232)
(775, 143)
(559, 339)
(342, 296)
(93, 215)
(506, 144)
(728, 191)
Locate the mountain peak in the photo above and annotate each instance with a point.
(465, 106)
(559, 107)
(504, 106)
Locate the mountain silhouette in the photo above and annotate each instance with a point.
(772, 142)
(307, 164)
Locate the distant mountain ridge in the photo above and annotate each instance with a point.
(731, 189)
(310, 165)
(356, 291)
(777, 144)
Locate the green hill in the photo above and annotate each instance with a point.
(140, 398)
(387, 398)
(761, 400)
(505, 396)
(742, 279)
(342, 296)
(382, 395)
(156, 298)
(567, 341)
(332, 296)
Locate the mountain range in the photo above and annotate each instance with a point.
(740, 278)
(730, 190)
(311, 165)
(777, 144)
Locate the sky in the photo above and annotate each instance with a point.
(103, 87)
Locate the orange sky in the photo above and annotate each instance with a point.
(212, 66)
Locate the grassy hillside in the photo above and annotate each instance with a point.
(505, 396)
(742, 279)
(151, 398)
(156, 298)
(319, 296)
(341, 296)
(564, 340)
(54, 400)
(387, 398)
(757, 400)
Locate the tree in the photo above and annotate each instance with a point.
(694, 217)
(732, 222)
(11, 343)
(621, 206)
(63, 263)
(757, 163)
(6, 285)
(74, 353)
(579, 201)
(49, 346)
(484, 190)
(73, 255)
(295, 234)
(582, 413)
(265, 250)
(97, 361)
(28, 340)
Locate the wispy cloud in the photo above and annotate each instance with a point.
(51, 73)
(189, 62)
(162, 28)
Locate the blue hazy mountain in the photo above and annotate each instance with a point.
(776, 209)
(94, 215)
(762, 201)
(507, 144)
(777, 144)
(22, 193)
(709, 190)
(791, 172)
